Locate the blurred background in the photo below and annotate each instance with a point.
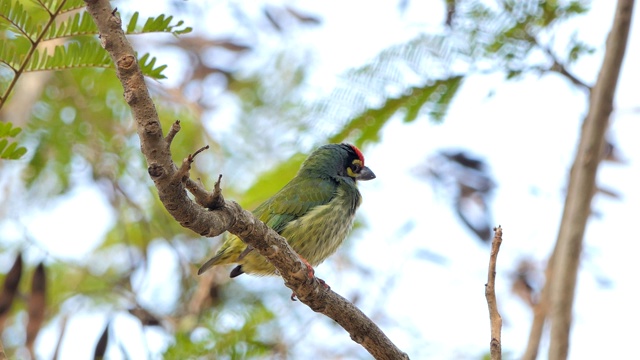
(468, 111)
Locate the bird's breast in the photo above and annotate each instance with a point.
(318, 234)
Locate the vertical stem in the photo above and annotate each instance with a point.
(582, 184)
(495, 319)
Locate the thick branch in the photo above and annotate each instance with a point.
(230, 216)
(490, 293)
(582, 184)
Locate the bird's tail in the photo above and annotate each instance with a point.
(211, 262)
(230, 252)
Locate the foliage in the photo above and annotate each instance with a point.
(228, 333)
(62, 21)
(81, 134)
(422, 76)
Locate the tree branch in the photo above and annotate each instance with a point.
(577, 208)
(490, 293)
(229, 216)
(559, 67)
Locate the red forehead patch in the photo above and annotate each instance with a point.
(358, 152)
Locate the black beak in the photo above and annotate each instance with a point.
(365, 174)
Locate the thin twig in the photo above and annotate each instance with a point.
(490, 293)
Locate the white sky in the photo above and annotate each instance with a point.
(527, 132)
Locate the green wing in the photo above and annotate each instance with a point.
(294, 200)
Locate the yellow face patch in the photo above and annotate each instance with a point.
(355, 167)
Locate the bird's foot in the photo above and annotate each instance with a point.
(312, 275)
(310, 271)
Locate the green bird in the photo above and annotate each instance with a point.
(314, 211)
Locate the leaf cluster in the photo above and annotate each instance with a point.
(422, 76)
(57, 35)
(230, 332)
(9, 149)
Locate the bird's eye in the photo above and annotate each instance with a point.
(355, 167)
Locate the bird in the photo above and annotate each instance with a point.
(314, 211)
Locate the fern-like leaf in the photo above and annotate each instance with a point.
(21, 21)
(79, 24)
(367, 126)
(83, 24)
(161, 23)
(69, 56)
(75, 55)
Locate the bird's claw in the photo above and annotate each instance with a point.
(312, 274)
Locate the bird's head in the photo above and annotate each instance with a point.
(337, 160)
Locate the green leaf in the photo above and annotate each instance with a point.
(18, 153)
(15, 131)
(8, 151)
(446, 91)
(161, 23)
(8, 130)
(133, 22)
(147, 63)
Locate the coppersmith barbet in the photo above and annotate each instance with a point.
(314, 211)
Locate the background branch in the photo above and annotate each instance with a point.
(581, 188)
(490, 294)
(230, 216)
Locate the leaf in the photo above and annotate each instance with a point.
(368, 125)
(133, 22)
(161, 23)
(147, 66)
(101, 346)
(36, 305)
(14, 131)
(18, 153)
(6, 154)
(9, 150)
(10, 287)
